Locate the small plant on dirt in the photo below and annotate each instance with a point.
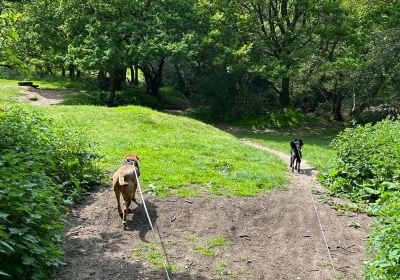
(220, 268)
(153, 254)
(353, 224)
(205, 251)
(218, 241)
(192, 237)
(206, 247)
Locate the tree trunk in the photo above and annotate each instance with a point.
(181, 82)
(49, 71)
(153, 83)
(71, 69)
(113, 89)
(136, 79)
(153, 79)
(337, 107)
(102, 81)
(117, 79)
(63, 72)
(132, 81)
(284, 94)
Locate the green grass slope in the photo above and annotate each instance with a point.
(178, 155)
(176, 152)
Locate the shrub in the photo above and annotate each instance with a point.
(368, 169)
(41, 170)
(368, 161)
(384, 241)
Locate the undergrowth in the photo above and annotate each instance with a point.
(367, 169)
(285, 118)
(42, 170)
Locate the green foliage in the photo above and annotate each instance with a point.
(41, 170)
(169, 98)
(285, 118)
(368, 161)
(368, 169)
(384, 241)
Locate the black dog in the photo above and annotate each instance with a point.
(295, 154)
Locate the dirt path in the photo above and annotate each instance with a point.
(40, 97)
(273, 236)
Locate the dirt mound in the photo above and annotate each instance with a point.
(273, 236)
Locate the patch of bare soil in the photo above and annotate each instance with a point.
(273, 236)
(40, 97)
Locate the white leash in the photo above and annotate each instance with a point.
(322, 231)
(165, 261)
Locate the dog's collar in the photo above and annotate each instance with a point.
(130, 161)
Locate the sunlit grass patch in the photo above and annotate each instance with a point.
(176, 152)
(9, 90)
(179, 156)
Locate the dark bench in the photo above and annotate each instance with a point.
(27, 84)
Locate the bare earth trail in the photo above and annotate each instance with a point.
(272, 236)
(43, 97)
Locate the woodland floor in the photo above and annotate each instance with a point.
(272, 236)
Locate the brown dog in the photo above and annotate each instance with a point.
(124, 181)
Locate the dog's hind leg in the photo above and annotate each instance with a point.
(125, 214)
(134, 192)
(118, 197)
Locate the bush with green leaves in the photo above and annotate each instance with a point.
(42, 169)
(368, 161)
(384, 241)
(368, 169)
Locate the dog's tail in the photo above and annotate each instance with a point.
(121, 180)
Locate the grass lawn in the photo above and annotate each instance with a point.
(316, 137)
(178, 155)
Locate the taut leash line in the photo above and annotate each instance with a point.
(323, 234)
(158, 236)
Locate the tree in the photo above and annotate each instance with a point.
(41, 43)
(279, 34)
(8, 34)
